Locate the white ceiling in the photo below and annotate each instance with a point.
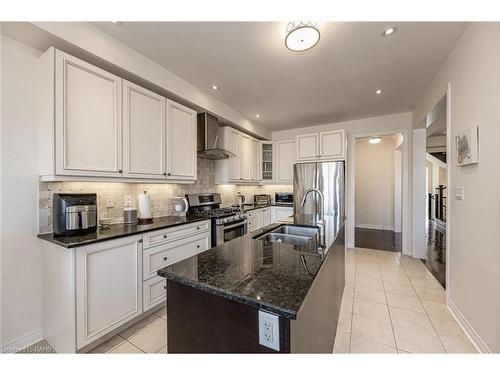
(335, 81)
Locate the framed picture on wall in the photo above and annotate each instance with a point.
(467, 143)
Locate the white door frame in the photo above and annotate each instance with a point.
(406, 202)
(450, 198)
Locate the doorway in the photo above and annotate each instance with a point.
(378, 192)
(436, 169)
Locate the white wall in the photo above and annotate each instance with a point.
(398, 186)
(419, 196)
(375, 188)
(21, 289)
(472, 70)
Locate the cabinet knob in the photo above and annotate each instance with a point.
(165, 258)
(197, 246)
(168, 174)
(164, 173)
(164, 236)
(198, 228)
(120, 171)
(140, 240)
(241, 178)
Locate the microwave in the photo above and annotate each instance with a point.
(283, 199)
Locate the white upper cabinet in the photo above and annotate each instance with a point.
(332, 144)
(87, 118)
(234, 147)
(143, 132)
(327, 145)
(244, 166)
(255, 159)
(284, 151)
(245, 157)
(83, 130)
(181, 142)
(307, 147)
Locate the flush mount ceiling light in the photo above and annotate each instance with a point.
(257, 115)
(389, 31)
(117, 23)
(378, 91)
(375, 140)
(301, 36)
(215, 87)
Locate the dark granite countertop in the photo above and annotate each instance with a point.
(268, 275)
(118, 230)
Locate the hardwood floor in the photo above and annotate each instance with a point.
(436, 251)
(378, 239)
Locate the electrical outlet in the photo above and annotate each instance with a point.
(269, 330)
(127, 201)
(109, 202)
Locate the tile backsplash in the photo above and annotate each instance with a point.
(161, 194)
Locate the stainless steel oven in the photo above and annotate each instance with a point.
(228, 229)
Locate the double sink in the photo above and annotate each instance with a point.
(291, 234)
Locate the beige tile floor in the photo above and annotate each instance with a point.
(391, 304)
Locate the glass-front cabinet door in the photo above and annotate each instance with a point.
(267, 161)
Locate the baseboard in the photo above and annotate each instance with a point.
(470, 332)
(22, 342)
(370, 226)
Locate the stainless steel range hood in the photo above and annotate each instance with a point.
(209, 140)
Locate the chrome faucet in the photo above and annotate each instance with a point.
(321, 213)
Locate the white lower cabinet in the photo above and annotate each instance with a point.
(153, 292)
(108, 287)
(266, 216)
(279, 213)
(92, 291)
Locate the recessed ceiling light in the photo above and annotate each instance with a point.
(378, 91)
(215, 87)
(257, 115)
(117, 23)
(389, 31)
(375, 140)
(301, 36)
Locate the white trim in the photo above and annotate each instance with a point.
(374, 226)
(58, 178)
(22, 342)
(470, 332)
(406, 202)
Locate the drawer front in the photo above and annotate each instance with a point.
(251, 214)
(153, 292)
(164, 255)
(169, 234)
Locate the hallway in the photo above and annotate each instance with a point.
(377, 239)
(393, 304)
(436, 251)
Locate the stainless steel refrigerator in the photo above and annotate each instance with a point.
(327, 177)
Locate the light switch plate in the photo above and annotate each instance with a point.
(459, 193)
(269, 330)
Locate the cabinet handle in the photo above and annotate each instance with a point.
(164, 236)
(165, 258)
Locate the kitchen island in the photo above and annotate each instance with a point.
(214, 298)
